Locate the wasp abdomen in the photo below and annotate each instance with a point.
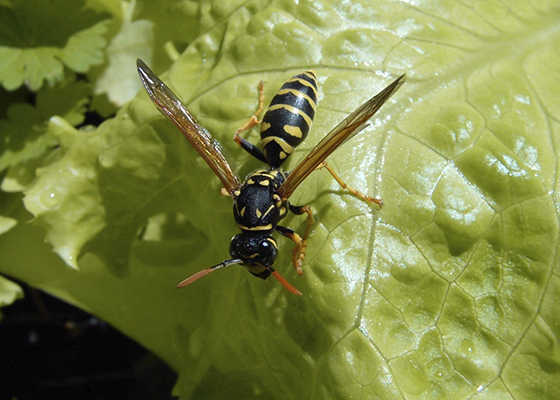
(288, 119)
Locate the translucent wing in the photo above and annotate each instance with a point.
(349, 127)
(170, 106)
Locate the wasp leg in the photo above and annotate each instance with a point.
(298, 254)
(359, 195)
(299, 251)
(254, 120)
(251, 122)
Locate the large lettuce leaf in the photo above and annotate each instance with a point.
(450, 290)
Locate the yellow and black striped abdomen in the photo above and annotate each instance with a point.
(288, 118)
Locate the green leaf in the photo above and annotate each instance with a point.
(177, 23)
(6, 224)
(9, 292)
(450, 290)
(64, 196)
(31, 52)
(152, 31)
(119, 81)
(24, 132)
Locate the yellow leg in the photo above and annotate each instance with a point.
(298, 254)
(359, 195)
(294, 237)
(254, 120)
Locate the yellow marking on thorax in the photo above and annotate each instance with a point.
(255, 228)
(267, 211)
(271, 174)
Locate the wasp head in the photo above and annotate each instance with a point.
(258, 251)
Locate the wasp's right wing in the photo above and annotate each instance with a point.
(349, 127)
(170, 106)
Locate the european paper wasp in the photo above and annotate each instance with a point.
(262, 200)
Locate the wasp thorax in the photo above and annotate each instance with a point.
(254, 249)
(258, 208)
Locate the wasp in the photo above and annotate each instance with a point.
(261, 201)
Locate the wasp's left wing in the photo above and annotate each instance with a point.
(170, 106)
(349, 127)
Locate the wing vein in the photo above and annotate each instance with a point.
(345, 130)
(169, 105)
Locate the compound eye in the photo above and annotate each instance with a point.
(269, 244)
(268, 250)
(248, 248)
(241, 246)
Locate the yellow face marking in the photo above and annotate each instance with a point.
(256, 269)
(272, 241)
(282, 211)
(265, 126)
(242, 212)
(250, 181)
(293, 131)
(255, 228)
(298, 93)
(236, 193)
(282, 155)
(277, 200)
(286, 148)
(266, 182)
(258, 212)
(293, 110)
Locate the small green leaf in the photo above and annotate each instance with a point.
(24, 132)
(31, 52)
(6, 224)
(134, 40)
(64, 196)
(9, 291)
